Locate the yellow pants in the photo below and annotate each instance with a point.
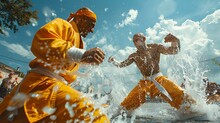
(138, 95)
(68, 104)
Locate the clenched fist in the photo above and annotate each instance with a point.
(170, 38)
(111, 59)
(93, 56)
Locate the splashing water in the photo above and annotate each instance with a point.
(183, 67)
(111, 86)
(119, 82)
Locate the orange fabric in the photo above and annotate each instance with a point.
(50, 45)
(31, 81)
(53, 94)
(138, 95)
(83, 12)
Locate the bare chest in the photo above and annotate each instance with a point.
(147, 56)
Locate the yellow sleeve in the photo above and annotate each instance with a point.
(50, 45)
(53, 40)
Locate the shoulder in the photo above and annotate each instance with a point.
(57, 22)
(133, 55)
(57, 26)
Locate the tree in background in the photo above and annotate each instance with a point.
(14, 13)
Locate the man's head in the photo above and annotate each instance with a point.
(11, 74)
(85, 20)
(139, 40)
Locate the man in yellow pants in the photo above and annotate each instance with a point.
(44, 95)
(147, 59)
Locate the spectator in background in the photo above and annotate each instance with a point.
(1, 75)
(6, 85)
(15, 82)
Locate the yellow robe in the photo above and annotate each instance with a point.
(50, 45)
(138, 95)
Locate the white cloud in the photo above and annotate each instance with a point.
(189, 31)
(90, 40)
(6, 33)
(217, 52)
(211, 25)
(18, 49)
(49, 14)
(130, 18)
(130, 38)
(28, 33)
(199, 41)
(101, 41)
(124, 53)
(212, 18)
(110, 49)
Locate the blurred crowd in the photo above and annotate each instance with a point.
(7, 83)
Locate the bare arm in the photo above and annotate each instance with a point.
(173, 49)
(124, 63)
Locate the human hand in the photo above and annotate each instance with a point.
(170, 38)
(111, 59)
(93, 56)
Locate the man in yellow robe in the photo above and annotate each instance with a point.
(147, 58)
(44, 95)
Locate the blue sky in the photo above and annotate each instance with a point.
(195, 22)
